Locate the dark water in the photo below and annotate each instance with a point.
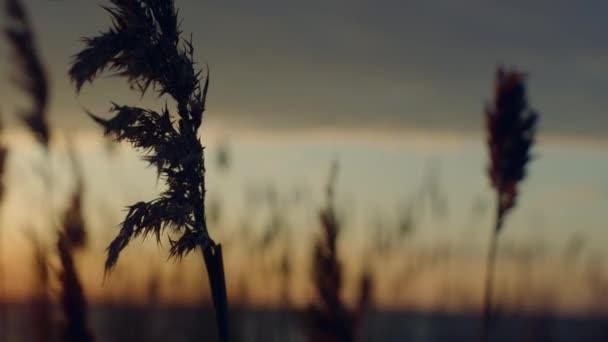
(197, 324)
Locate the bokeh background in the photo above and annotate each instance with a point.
(392, 91)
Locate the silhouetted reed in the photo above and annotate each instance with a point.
(40, 305)
(72, 298)
(144, 46)
(3, 300)
(153, 286)
(597, 283)
(30, 76)
(510, 126)
(223, 158)
(4, 151)
(286, 274)
(330, 319)
(73, 237)
(73, 224)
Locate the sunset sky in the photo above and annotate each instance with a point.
(393, 90)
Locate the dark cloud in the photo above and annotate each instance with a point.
(372, 64)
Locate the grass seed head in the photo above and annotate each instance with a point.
(31, 76)
(144, 46)
(510, 125)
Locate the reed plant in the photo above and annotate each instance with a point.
(329, 318)
(72, 298)
(30, 74)
(144, 45)
(71, 238)
(4, 151)
(511, 126)
(41, 304)
(31, 77)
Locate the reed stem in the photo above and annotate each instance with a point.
(217, 281)
(3, 296)
(486, 319)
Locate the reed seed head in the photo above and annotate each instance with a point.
(72, 297)
(330, 318)
(511, 126)
(4, 152)
(74, 228)
(144, 46)
(31, 76)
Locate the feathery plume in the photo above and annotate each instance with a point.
(31, 76)
(144, 46)
(511, 125)
(72, 298)
(74, 227)
(73, 237)
(330, 319)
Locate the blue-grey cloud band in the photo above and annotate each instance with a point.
(424, 65)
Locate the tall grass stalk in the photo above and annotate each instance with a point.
(71, 238)
(511, 126)
(3, 296)
(31, 78)
(330, 318)
(30, 75)
(72, 298)
(40, 305)
(144, 45)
